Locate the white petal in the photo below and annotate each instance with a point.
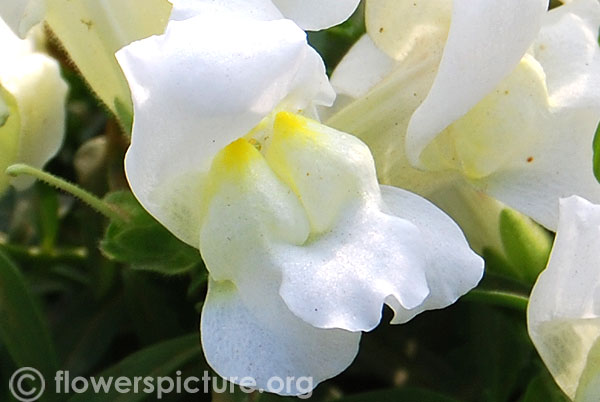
(549, 158)
(36, 95)
(248, 207)
(313, 15)
(258, 9)
(452, 267)
(510, 118)
(564, 313)
(402, 28)
(343, 278)
(39, 88)
(193, 98)
(546, 149)
(589, 383)
(313, 159)
(247, 330)
(561, 166)
(91, 31)
(567, 48)
(470, 67)
(22, 15)
(363, 67)
(266, 340)
(356, 256)
(380, 119)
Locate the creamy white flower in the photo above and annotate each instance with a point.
(564, 311)
(504, 95)
(32, 106)
(91, 31)
(302, 245)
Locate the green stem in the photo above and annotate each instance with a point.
(108, 210)
(498, 298)
(38, 253)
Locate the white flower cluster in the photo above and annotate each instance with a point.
(307, 229)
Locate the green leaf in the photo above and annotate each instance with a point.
(400, 394)
(143, 242)
(23, 330)
(160, 360)
(526, 244)
(597, 154)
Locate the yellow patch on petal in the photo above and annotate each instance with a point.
(499, 130)
(290, 132)
(235, 158)
(288, 125)
(242, 190)
(313, 159)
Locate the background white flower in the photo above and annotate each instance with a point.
(91, 31)
(32, 106)
(505, 96)
(563, 313)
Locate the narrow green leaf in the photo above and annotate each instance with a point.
(527, 245)
(144, 243)
(23, 330)
(160, 360)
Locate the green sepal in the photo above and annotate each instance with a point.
(526, 244)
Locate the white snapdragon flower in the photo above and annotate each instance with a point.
(32, 106)
(564, 310)
(502, 95)
(302, 245)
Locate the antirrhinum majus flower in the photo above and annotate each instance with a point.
(302, 245)
(503, 96)
(91, 31)
(32, 106)
(564, 314)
